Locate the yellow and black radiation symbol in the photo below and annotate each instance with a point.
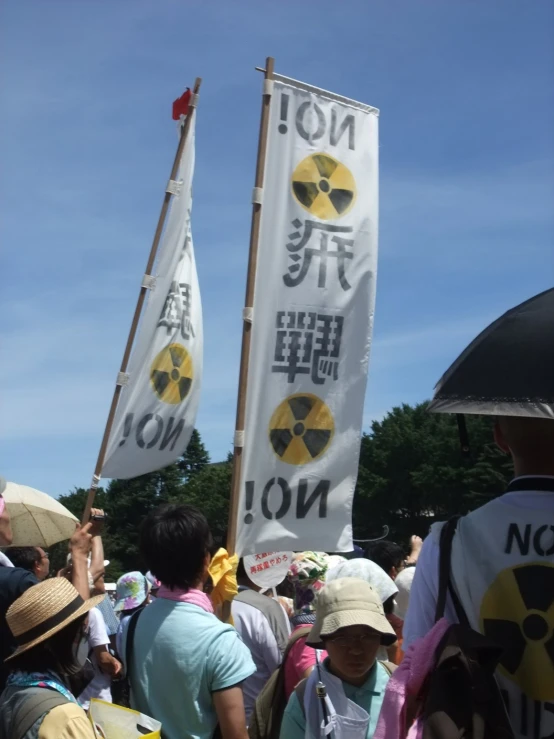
(171, 374)
(324, 186)
(517, 613)
(301, 429)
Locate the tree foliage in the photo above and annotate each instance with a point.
(192, 479)
(411, 472)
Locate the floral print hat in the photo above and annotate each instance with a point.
(307, 574)
(131, 591)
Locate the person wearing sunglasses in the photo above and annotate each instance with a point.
(345, 692)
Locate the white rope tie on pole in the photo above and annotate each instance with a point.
(149, 282)
(95, 481)
(268, 87)
(193, 102)
(238, 439)
(257, 195)
(248, 315)
(122, 378)
(174, 187)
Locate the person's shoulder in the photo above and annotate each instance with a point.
(294, 719)
(95, 618)
(14, 581)
(98, 634)
(224, 641)
(67, 721)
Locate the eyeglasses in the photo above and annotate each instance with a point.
(347, 642)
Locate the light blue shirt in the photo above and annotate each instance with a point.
(368, 696)
(181, 655)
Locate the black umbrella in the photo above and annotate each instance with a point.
(508, 370)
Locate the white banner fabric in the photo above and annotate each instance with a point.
(157, 408)
(312, 322)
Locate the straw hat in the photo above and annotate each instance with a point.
(349, 602)
(45, 609)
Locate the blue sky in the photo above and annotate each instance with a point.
(86, 142)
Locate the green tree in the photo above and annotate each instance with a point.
(209, 491)
(128, 502)
(412, 472)
(195, 458)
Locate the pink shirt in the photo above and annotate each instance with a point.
(300, 658)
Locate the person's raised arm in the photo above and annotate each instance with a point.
(229, 706)
(97, 549)
(79, 546)
(416, 543)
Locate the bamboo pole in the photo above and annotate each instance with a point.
(248, 303)
(136, 315)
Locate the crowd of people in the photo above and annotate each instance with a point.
(316, 658)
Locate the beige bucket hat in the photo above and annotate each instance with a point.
(45, 609)
(349, 602)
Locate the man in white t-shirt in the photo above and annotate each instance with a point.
(503, 572)
(105, 666)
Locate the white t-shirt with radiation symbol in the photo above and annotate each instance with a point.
(503, 571)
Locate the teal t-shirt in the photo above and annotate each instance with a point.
(181, 655)
(368, 696)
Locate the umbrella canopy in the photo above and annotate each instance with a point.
(37, 519)
(508, 370)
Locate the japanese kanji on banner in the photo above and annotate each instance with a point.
(268, 569)
(312, 322)
(157, 409)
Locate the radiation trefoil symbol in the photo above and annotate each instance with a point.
(301, 429)
(526, 593)
(324, 187)
(171, 374)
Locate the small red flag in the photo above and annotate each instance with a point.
(181, 105)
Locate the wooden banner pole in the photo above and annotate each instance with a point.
(136, 316)
(248, 303)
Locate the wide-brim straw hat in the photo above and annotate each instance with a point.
(349, 602)
(45, 609)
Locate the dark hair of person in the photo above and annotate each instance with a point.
(285, 589)
(24, 557)
(388, 606)
(241, 571)
(386, 554)
(56, 653)
(174, 542)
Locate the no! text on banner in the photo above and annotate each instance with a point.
(312, 322)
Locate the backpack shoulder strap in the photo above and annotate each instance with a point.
(304, 631)
(272, 611)
(37, 703)
(445, 584)
(389, 667)
(300, 691)
(132, 627)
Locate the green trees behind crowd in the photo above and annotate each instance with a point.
(411, 472)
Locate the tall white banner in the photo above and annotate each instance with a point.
(312, 322)
(157, 409)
